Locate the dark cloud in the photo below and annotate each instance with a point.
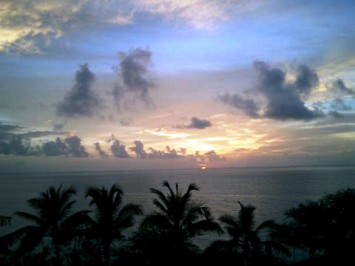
(207, 157)
(14, 142)
(170, 153)
(75, 148)
(39, 134)
(138, 149)
(58, 127)
(213, 156)
(19, 146)
(198, 123)
(340, 99)
(249, 106)
(55, 148)
(133, 71)
(339, 88)
(101, 152)
(282, 100)
(70, 146)
(81, 100)
(9, 128)
(167, 154)
(118, 149)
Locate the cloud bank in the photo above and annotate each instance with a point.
(30, 27)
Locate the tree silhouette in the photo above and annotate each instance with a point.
(110, 218)
(245, 237)
(325, 228)
(53, 219)
(5, 220)
(4, 250)
(176, 222)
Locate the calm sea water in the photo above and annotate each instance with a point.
(271, 190)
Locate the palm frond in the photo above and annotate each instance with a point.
(164, 200)
(125, 218)
(205, 226)
(5, 220)
(157, 220)
(268, 224)
(28, 216)
(32, 236)
(115, 195)
(167, 185)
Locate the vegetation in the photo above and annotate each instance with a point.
(245, 239)
(109, 218)
(324, 230)
(171, 228)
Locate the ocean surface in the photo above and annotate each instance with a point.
(271, 190)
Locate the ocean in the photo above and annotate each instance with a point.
(271, 190)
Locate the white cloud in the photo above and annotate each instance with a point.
(29, 26)
(200, 14)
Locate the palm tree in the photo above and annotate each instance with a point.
(245, 238)
(5, 220)
(179, 218)
(110, 217)
(53, 219)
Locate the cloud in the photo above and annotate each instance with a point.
(9, 128)
(119, 150)
(340, 98)
(16, 146)
(39, 134)
(138, 149)
(282, 100)
(198, 123)
(70, 146)
(55, 148)
(58, 127)
(168, 153)
(213, 156)
(75, 148)
(30, 27)
(339, 88)
(200, 14)
(14, 141)
(81, 100)
(133, 72)
(248, 106)
(101, 152)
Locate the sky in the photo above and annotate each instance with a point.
(150, 84)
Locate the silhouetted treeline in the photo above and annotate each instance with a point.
(318, 232)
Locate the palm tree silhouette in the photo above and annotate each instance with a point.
(245, 237)
(5, 220)
(53, 219)
(179, 218)
(110, 217)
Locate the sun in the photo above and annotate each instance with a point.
(203, 167)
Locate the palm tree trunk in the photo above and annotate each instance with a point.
(57, 261)
(106, 252)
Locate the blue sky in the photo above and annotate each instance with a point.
(163, 69)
